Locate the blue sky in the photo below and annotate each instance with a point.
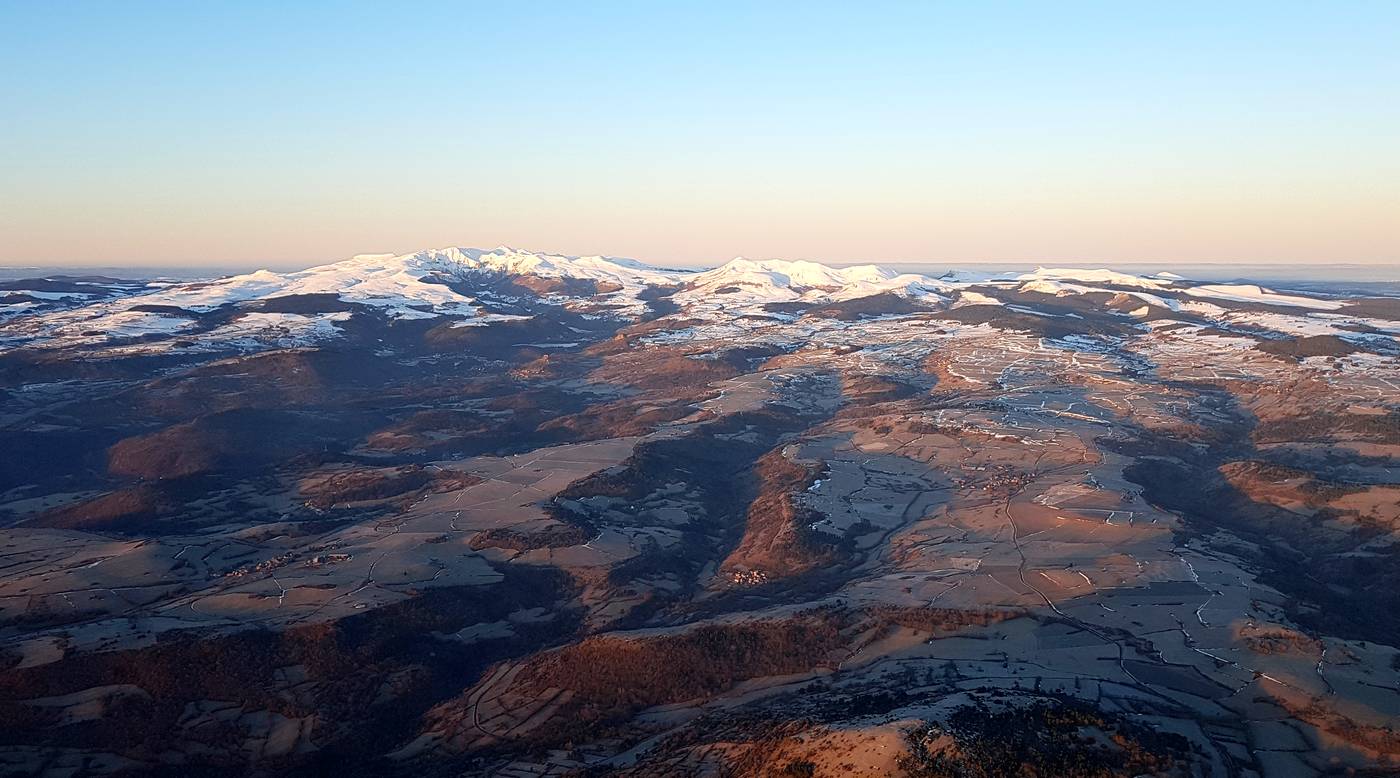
(190, 133)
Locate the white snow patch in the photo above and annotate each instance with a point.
(1100, 276)
(1251, 293)
(969, 297)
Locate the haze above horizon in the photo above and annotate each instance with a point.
(155, 134)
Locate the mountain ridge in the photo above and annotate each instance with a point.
(475, 287)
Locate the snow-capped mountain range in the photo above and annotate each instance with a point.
(477, 287)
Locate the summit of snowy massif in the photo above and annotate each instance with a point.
(744, 280)
(394, 284)
(404, 285)
(509, 261)
(421, 285)
(789, 274)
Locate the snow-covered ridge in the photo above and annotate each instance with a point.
(741, 282)
(1251, 293)
(421, 284)
(503, 260)
(439, 282)
(466, 284)
(789, 274)
(1064, 281)
(1100, 276)
(405, 286)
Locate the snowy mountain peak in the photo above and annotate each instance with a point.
(510, 261)
(789, 274)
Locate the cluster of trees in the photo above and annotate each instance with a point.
(670, 372)
(942, 620)
(1058, 736)
(1311, 487)
(121, 510)
(778, 538)
(365, 485)
(882, 304)
(612, 678)
(553, 536)
(1281, 641)
(1326, 427)
(1302, 346)
(619, 418)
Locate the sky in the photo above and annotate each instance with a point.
(286, 134)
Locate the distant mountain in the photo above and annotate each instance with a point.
(478, 287)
